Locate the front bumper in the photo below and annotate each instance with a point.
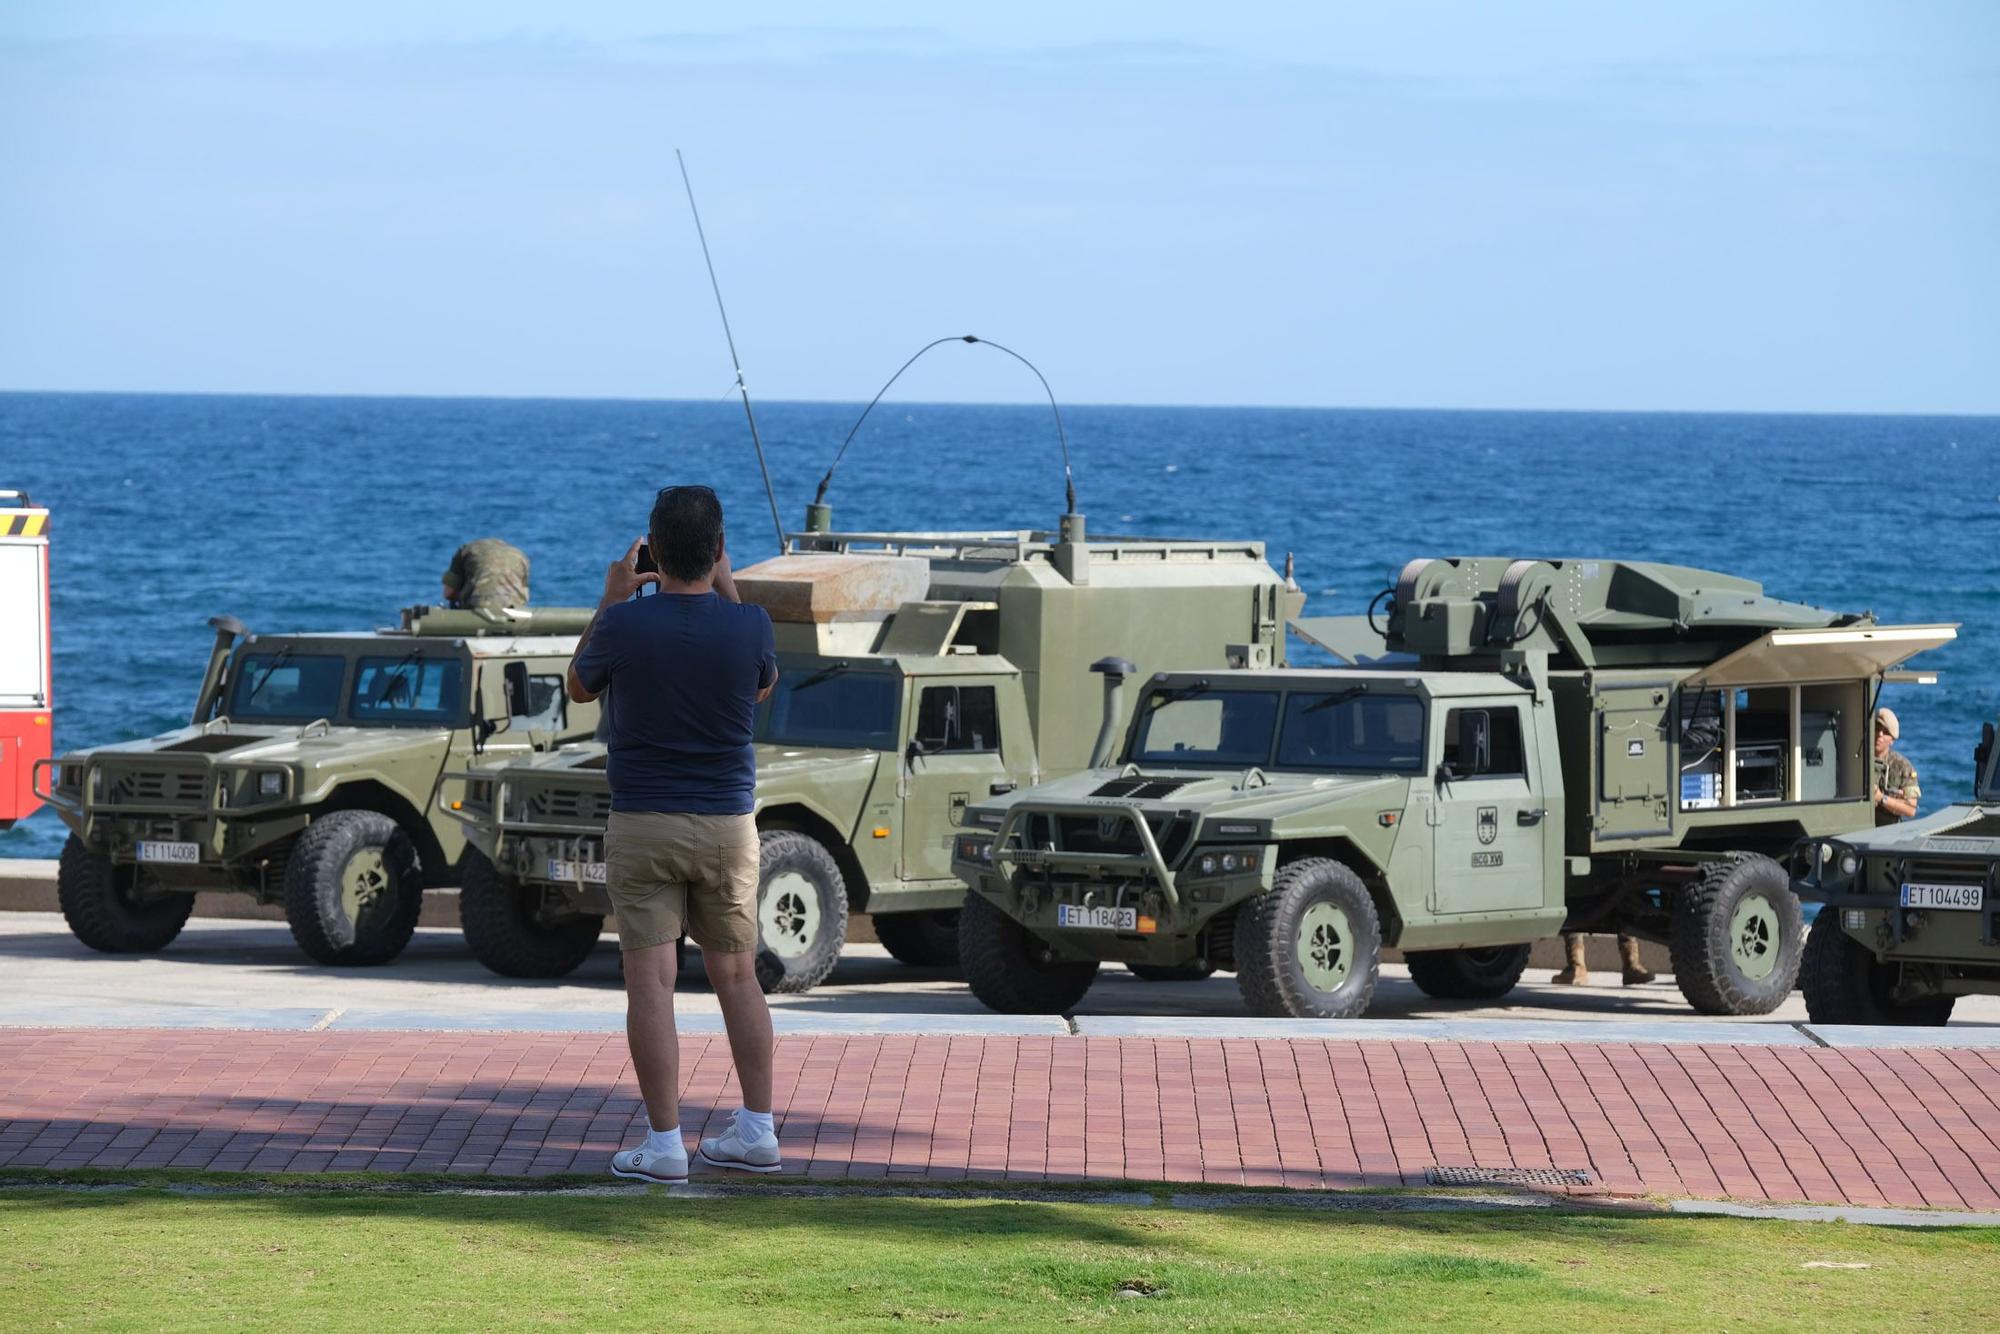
(537, 832)
(1139, 863)
(115, 803)
(1869, 898)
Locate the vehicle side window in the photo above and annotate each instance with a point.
(411, 688)
(1505, 757)
(542, 711)
(959, 718)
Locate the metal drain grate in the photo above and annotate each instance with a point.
(1511, 1176)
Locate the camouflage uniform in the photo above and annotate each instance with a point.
(488, 573)
(1896, 777)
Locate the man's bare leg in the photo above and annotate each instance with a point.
(649, 1031)
(747, 1018)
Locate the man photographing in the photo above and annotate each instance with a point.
(690, 665)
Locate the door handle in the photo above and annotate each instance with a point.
(1001, 789)
(1529, 816)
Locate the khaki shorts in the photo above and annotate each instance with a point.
(669, 871)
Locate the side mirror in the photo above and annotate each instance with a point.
(1446, 775)
(1475, 740)
(916, 750)
(520, 702)
(493, 713)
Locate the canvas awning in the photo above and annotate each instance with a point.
(1844, 653)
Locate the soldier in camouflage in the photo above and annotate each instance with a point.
(1896, 791)
(487, 573)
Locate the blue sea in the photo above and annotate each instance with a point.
(331, 513)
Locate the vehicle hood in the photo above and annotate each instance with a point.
(1213, 794)
(273, 745)
(1966, 828)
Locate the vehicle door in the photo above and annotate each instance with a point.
(952, 759)
(1488, 810)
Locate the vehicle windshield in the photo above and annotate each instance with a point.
(407, 690)
(1193, 724)
(835, 706)
(280, 684)
(1352, 731)
(1344, 729)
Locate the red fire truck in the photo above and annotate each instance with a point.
(24, 651)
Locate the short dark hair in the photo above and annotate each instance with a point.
(684, 530)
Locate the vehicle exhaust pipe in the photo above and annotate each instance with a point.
(1114, 671)
(227, 631)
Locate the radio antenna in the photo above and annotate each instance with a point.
(749, 414)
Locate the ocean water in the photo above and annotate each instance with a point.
(331, 513)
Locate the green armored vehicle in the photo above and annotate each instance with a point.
(1525, 747)
(309, 776)
(1910, 913)
(918, 673)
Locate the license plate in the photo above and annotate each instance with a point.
(153, 850)
(1097, 919)
(1965, 897)
(590, 873)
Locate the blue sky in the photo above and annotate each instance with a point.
(1775, 206)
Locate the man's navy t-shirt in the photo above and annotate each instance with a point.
(684, 671)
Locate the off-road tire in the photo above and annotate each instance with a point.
(321, 921)
(110, 918)
(1844, 983)
(801, 911)
(1467, 974)
(509, 931)
(1161, 972)
(1007, 966)
(1326, 903)
(1711, 949)
(920, 939)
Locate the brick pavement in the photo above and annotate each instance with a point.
(1918, 1127)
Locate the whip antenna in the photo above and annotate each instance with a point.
(755, 440)
(1062, 438)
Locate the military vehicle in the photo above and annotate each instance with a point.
(1910, 912)
(919, 672)
(308, 776)
(1525, 747)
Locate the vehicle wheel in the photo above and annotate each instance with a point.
(920, 939)
(1736, 937)
(1481, 974)
(513, 931)
(1010, 969)
(117, 910)
(1155, 972)
(1310, 948)
(352, 889)
(801, 911)
(1844, 983)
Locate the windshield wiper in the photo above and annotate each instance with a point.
(283, 655)
(821, 676)
(396, 675)
(1331, 700)
(1188, 691)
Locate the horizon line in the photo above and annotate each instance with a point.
(731, 400)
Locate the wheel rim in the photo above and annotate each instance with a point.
(788, 914)
(1753, 936)
(364, 884)
(1325, 946)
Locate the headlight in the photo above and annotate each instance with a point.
(270, 783)
(978, 850)
(1227, 863)
(1849, 863)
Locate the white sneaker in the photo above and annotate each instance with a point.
(643, 1164)
(729, 1150)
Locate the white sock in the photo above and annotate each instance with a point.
(754, 1127)
(664, 1141)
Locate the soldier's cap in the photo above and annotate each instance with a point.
(1886, 720)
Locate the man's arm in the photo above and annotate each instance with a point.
(725, 578)
(621, 580)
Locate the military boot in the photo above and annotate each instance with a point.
(1577, 974)
(1628, 954)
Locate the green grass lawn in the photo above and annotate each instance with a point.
(371, 1260)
